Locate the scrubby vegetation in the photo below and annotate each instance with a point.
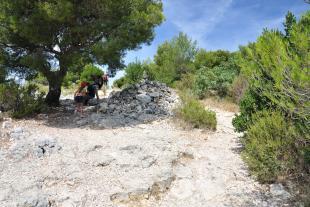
(194, 113)
(270, 149)
(181, 64)
(277, 71)
(21, 101)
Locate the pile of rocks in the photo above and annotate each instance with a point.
(139, 103)
(146, 97)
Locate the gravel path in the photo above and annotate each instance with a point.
(156, 164)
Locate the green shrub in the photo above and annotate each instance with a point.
(251, 102)
(276, 66)
(70, 79)
(270, 149)
(186, 83)
(134, 72)
(88, 71)
(216, 80)
(120, 83)
(40, 79)
(21, 101)
(210, 59)
(193, 112)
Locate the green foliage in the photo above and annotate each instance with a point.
(174, 58)
(36, 34)
(276, 68)
(40, 79)
(278, 72)
(216, 75)
(120, 83)
(186, 83)
(194, 113)
(21, 101)
(290, 20)
(134, 71)
(3, 75)
(270, 149)
(70, 79)
(89, 71)
(210, 59)
(251, 102)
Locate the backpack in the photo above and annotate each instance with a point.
(91, 90)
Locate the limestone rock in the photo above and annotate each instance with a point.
(46, 145)
(277, 190)
(144, 98)
(7, 124)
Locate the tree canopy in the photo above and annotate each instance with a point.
(55, 36)
(174, 58)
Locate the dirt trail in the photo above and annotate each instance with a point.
(156, 164)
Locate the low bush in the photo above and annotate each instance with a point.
(134, 72)
(270, 146)
(194, 113)
(216, 80)
(251, 102)
(120, 83)
(186, 83)
(21, 101)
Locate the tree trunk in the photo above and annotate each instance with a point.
(55, 80)
(54, 92)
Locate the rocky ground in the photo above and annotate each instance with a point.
(135, 163)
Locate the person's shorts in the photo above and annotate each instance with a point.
(79, 99)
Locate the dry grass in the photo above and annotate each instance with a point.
(215, 102)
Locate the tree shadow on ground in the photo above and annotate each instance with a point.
(63, 117)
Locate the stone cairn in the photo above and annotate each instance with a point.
(138, 103)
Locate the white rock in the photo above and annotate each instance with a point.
(277, 190)
(6, 124)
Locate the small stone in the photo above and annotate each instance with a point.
(119, 197)
(103, 107)
(6, 124)
(90, 109)
(144, 98)
(154, 94)
(103, 162)
(19, 150)
(35, 201)
(277, 190)
(17, 133)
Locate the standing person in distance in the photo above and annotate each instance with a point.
(105, 79)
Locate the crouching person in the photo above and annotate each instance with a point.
(79, 97)
(92, 92)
